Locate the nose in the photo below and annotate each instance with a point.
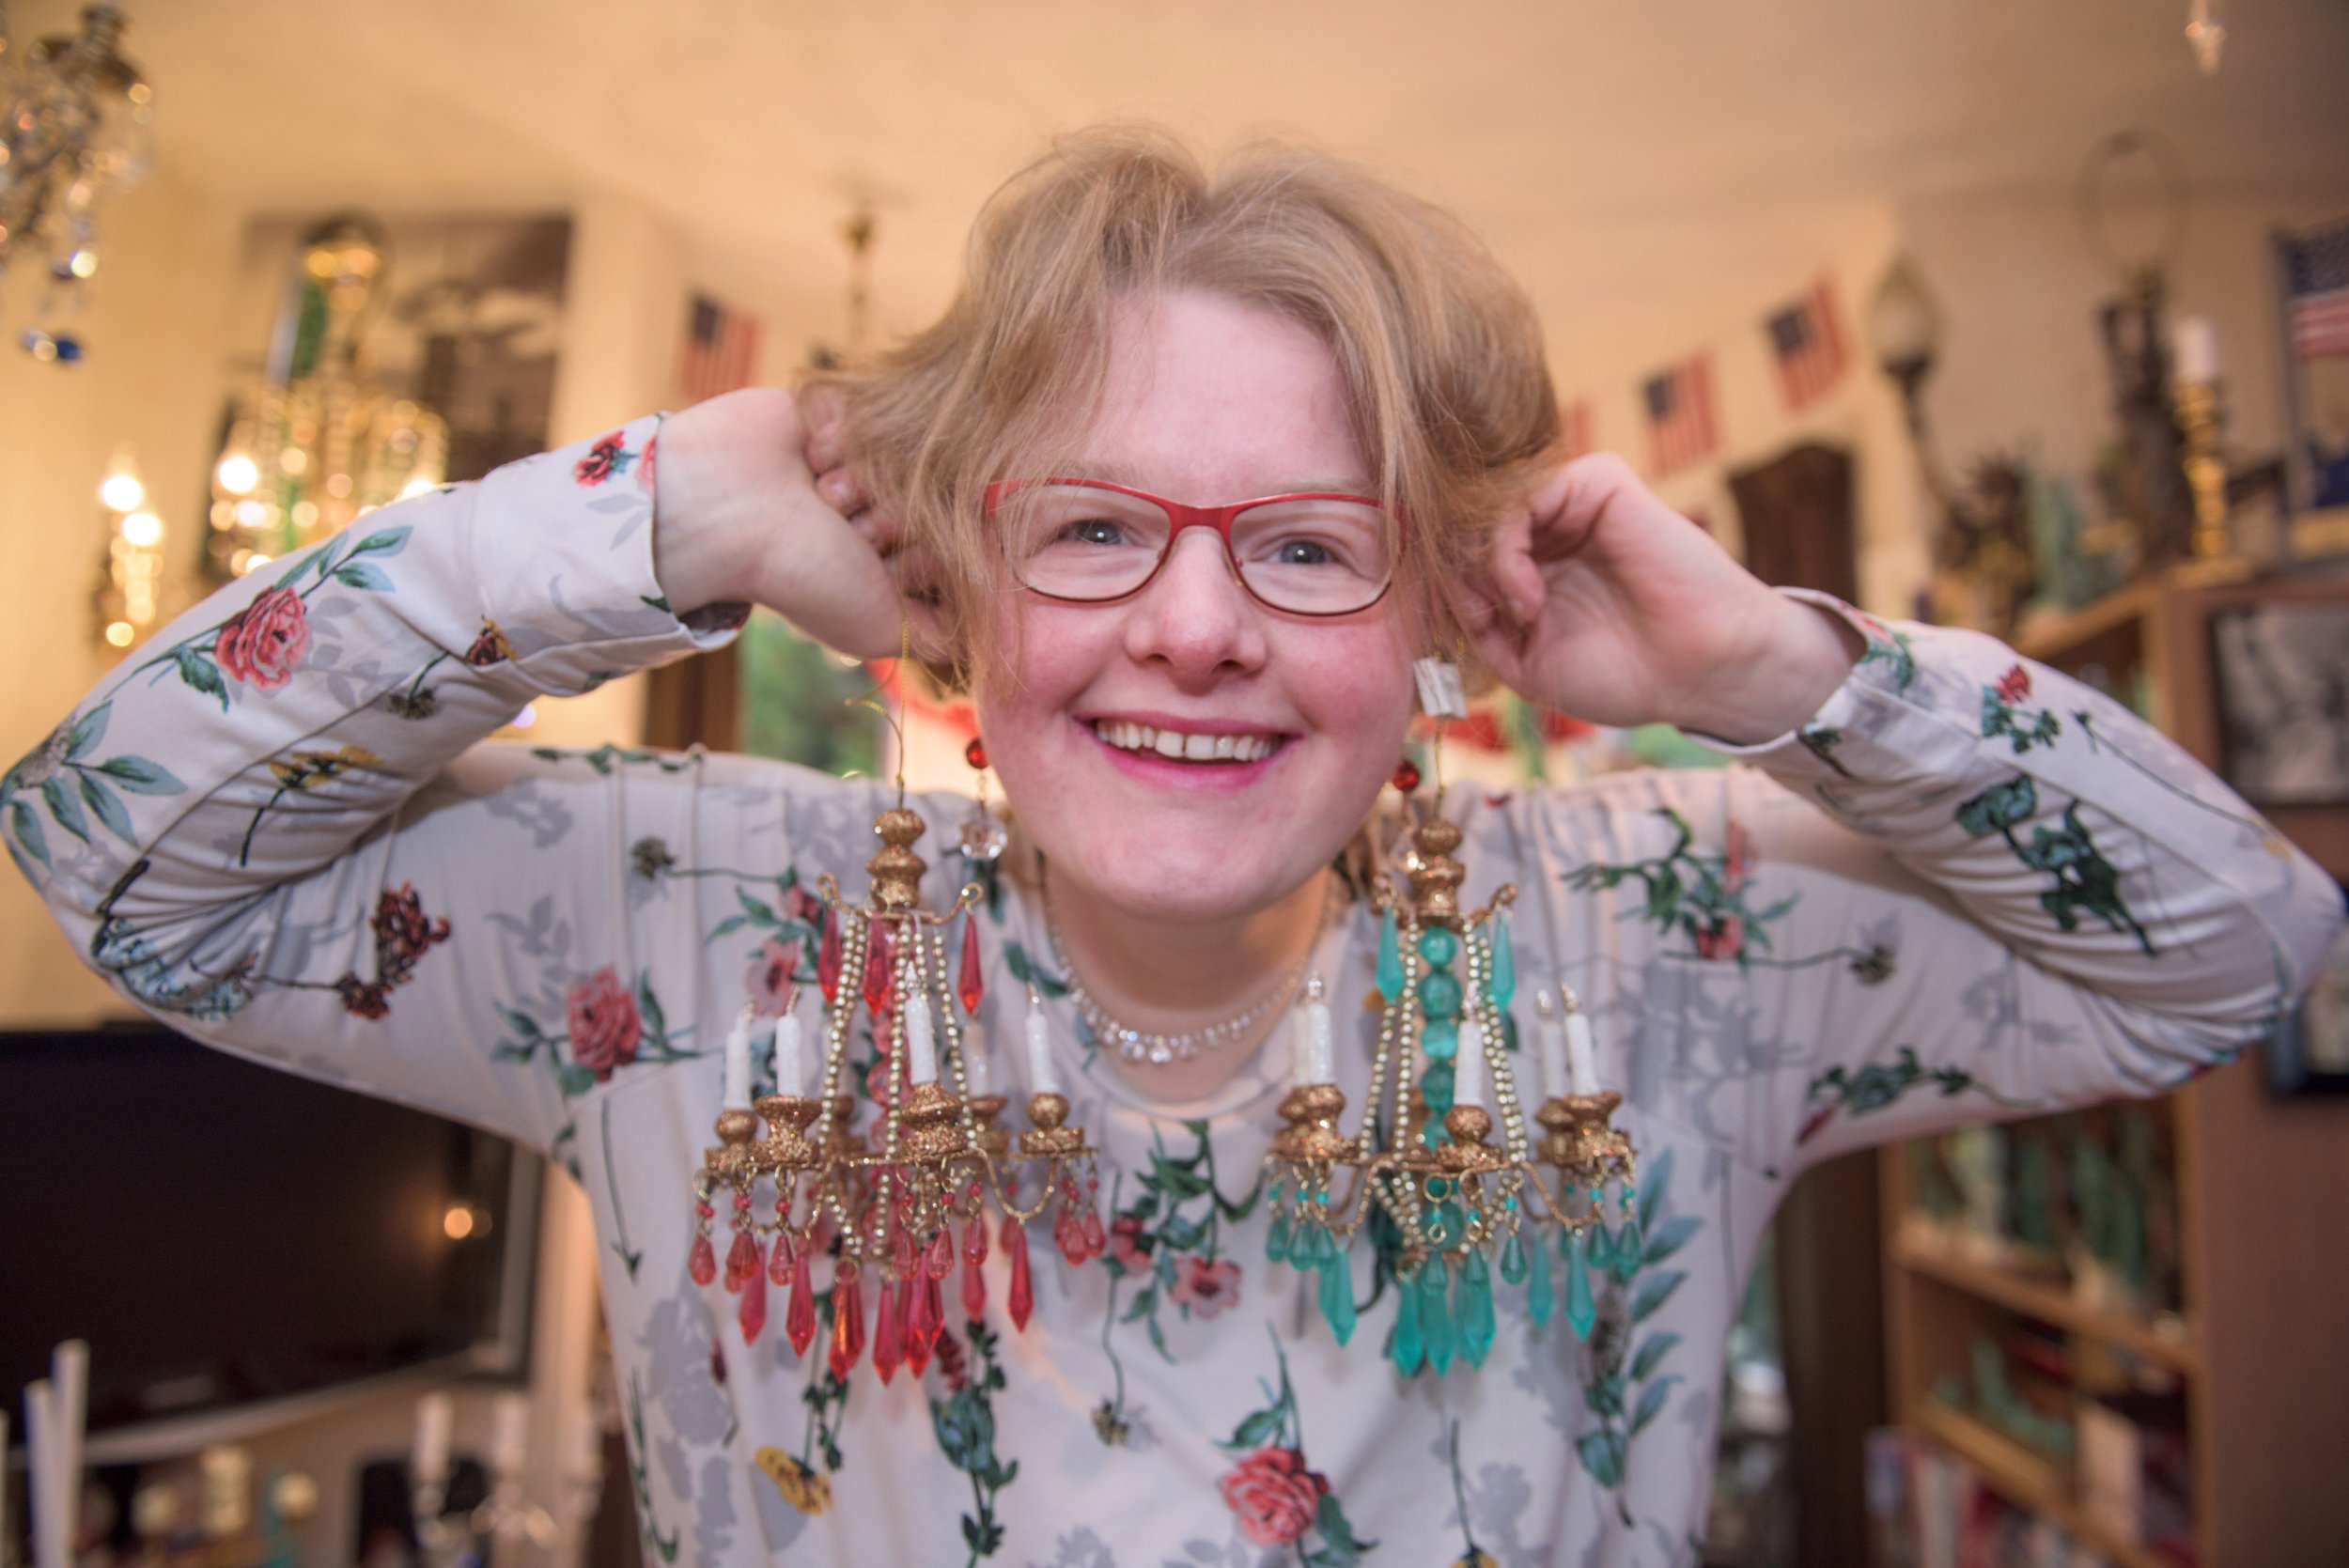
(1194, 620)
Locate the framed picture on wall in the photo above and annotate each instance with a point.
(2283, 701)
(2309, 1053)
(2313, 297)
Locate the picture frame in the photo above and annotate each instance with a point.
(2309, 1052)
(2311, 272)
(2283, 675)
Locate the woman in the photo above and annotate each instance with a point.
(1951, 884)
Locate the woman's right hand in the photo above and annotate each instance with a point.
(741, 516)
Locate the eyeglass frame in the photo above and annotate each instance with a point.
(1182, 514)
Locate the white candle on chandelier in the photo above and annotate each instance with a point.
(427, 1462)
(739, 1061)
(1550, 1038)
(1468, 1062)
(1041, 1079)
(921, 1040)
(1583, 1064)
(790, 1071)
(1310, 1057)
(974, 1073)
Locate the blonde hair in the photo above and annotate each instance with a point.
(1439, 347)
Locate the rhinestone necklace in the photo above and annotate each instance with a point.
(1160, 1051)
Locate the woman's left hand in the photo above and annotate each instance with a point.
(1609, 605)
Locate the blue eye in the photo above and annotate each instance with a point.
(1303, 553)
(1094, 530)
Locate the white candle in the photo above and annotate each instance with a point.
(921, 1040)
(69, 1370)
(1582, 1062)
(1468, 1061)
(790, 1072)
(41, 1492)
(1041, 1079)
(739, 1061)
(1310, 1055)
(1550, 1038)
(2197, 344)
(428, 1465)
(509, 1433)
(975, 1071)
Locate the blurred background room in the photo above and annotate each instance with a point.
(2026, 317)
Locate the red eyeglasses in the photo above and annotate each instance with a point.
(1087, 541)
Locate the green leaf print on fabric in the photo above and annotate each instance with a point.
(1275, 1495)
(2084, 879)
(965, 1424)
(1701, 896)
(2001, 716)
(1820, 741)
(1881, 1084)
(1627, 1387)
(607, 758)
(1890, 648)
(60, 772)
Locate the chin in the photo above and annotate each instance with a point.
(1177, 871)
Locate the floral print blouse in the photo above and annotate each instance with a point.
(1968, 888)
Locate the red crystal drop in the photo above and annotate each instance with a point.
(798, 1319)
(878, 969)
(742, 1260)
(924, 1321)
(754, 1313)
(976, 755)
(1405, 776)
(968, 985)
(888, 1334)
(905, 1260)
(939, 1262)
(974, 1291)
(1069, 1236)
(779, 1265)
(828, 956)
(819, 1240)
(1023, 1294)
(974, 1242)
(702, 1263)
(847, 1322)
(1096, 1242)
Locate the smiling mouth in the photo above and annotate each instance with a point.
(1181, 746)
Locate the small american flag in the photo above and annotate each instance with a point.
(2316, 286)
(1681, 428)
(1575, 428)
(1807, 346)
(720, 351)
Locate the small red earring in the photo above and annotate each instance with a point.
(983, 839)
(1405, 777)
(976, 755)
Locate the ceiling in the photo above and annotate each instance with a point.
(1625, 156)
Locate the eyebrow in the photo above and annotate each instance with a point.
(1118, 473)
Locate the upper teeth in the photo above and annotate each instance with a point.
(1189, 747)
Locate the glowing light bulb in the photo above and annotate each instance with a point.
(238, 473)
(118, 634)
(121, 492)
(143, 529)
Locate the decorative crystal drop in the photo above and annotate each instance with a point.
(798, 1319)
(974, 1241)
(974, 1291)
(889, 1345)
(940, 1261)
(1513, 1259)
(779, 1265)
(1502, 984)
(828, 957)
(1022, 1300)
(877, 972)
(930, 1321)
(1389, 958)
(1582, 1311)
(1477, 1324)
(1537, 1298)
(702, 1261)
(1439, 946)
(1435, 1314)
(904, 1258)
(1337, 1295)
(1408, 1348)
(1096, 1241)
(1628, 1244)
(742, 1260)
(1276, 1241)
(753, 1314)
(1601, 1242)
(967, 983)
(1438, 992)
(848, 1320)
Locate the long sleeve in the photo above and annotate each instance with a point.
(264, 826)
(1969, 887)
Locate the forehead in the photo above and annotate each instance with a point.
(1207, 399)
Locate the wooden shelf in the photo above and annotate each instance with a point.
(2047, 638)
(2043, 1302)
(2029, 1481)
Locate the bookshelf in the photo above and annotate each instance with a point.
(2252, 1348)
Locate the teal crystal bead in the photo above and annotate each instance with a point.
(1439, 946)
(1276, 1242)
(1502, 983)
(1337, 1297)
(1389, 958)
(1435, 1087)
(1475, 1296)
(1537, 1301)
(1513, 1259)
(1439, 1038)
(1435, 1314)
(1440, 994)
(1408, 1347)
(1628, 1248)
(1601, 1242)
(1582, 1311)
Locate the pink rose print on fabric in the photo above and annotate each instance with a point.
(262, 643)
(767, 981)
(2015, 685)
(605, 459)
(1207, 1288)
(604, 1023)
(1274, 1496)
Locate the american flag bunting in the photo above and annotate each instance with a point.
(2316, 284)
(1681, 427)
(1807, 342)
(719, 352)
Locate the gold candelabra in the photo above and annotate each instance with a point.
(1422, 1165)
(934, 1155)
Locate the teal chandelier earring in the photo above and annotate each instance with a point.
(1442, 1166)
